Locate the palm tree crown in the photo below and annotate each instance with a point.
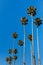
(38, 21)
(20, 43)
(15, 35)
(15, 51)
(15, 57)
(9, 59)
(31, 10)
(30, 37)
(24, 20)
(9, 51)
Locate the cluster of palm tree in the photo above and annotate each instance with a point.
(38, 21)
(12, 51)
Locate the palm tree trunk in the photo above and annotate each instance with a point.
(38, 49)
(14, 41)
(14, 62)
(9, 64)
(21, 57)
(33, 59)
(24, 45)
(31, 54)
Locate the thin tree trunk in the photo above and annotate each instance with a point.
(24, 45)
(32, 43)
(38, 49)
(33, 56)
(14, 62)
(14, 41)
(21, 57)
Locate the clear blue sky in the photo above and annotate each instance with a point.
(10, 13)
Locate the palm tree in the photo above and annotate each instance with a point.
(20, 43)
(15, 58)
(32, 12)
(38, 22)
(30, 38)
(15, 35)
(10, 51)
(9, 60)
(24, 21)
(15, 51)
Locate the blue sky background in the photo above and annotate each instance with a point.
(10, 13)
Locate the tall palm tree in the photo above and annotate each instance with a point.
(24, 21)
(14, 51)
(32, 12)
(14, 58)
(9, 60)
(20, 43)
(30, 38)
(38, 22)
(10, 51)
(15, 35)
